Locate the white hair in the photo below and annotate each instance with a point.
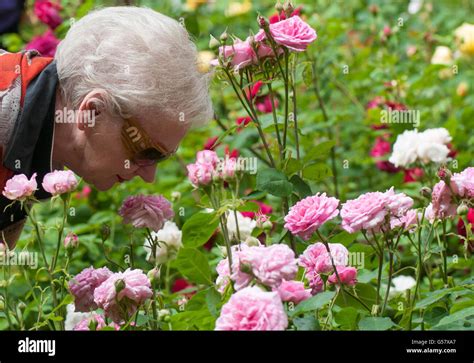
(144, 60)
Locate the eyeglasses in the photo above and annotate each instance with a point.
(143, 151)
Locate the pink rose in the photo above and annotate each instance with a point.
(292, 33)
(223, 275)
(407, 221)
(19, 187)
(48, 12)
(227, 168)
(84, 324)
(207, 157)
(316, 257)
(369, 210)
(348, 276)
(270, 265)
(441, 200)
(293, 291)
(82, 287)
(59, 182)
(463, 183)
(310, 213)
(241, 54)
(315, 281)
(146, 211)
(241, 279)
(122, 293)
(46, 44)
(200, 173)
(253, 309)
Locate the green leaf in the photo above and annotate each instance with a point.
(319, 152)
(364, 292)
(306, 322)
(193, 265)
(199, 228)
(293, 166)
(347, 318)
(274, 182)
(457, 316)
(344, 238)
(434, 296)
(213, 300)
(375, 323)
(313, 303)
(300, 186)
(317, 172)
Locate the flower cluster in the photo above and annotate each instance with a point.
(291, 34)
(369, 211)
(448, 194)
(118, 294)
(431, 145)
(208, 167)
(19, 187)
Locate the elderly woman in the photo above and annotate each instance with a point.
(118, 97)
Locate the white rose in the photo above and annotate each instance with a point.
(404, 149)
(442, 55)
(432, 152)
(169, 241)
(439, 135)
(246, 225)
(73, 318)
(414, 6)
(402, 283)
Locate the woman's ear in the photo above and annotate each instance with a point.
(91, 106)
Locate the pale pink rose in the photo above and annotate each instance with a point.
(84, 324)
(253, 309)
(397, 203)
(310, 213)
(46, 44)
(347, 274)
(292, 33)
(241, 54)
(408, 221)
(316, 257)
(223, 275)
(463, 183)
(136, 289)
(270, 265)
(429, 213)
(369, 211)
(293, 291)
(200, 173)
(19, 187)
(315, 281)
(207, 157)
(241, 279)
(442, 201)
(48, 12)
(227, 168)
(59, 182)
(146, 211)
(82, 287)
